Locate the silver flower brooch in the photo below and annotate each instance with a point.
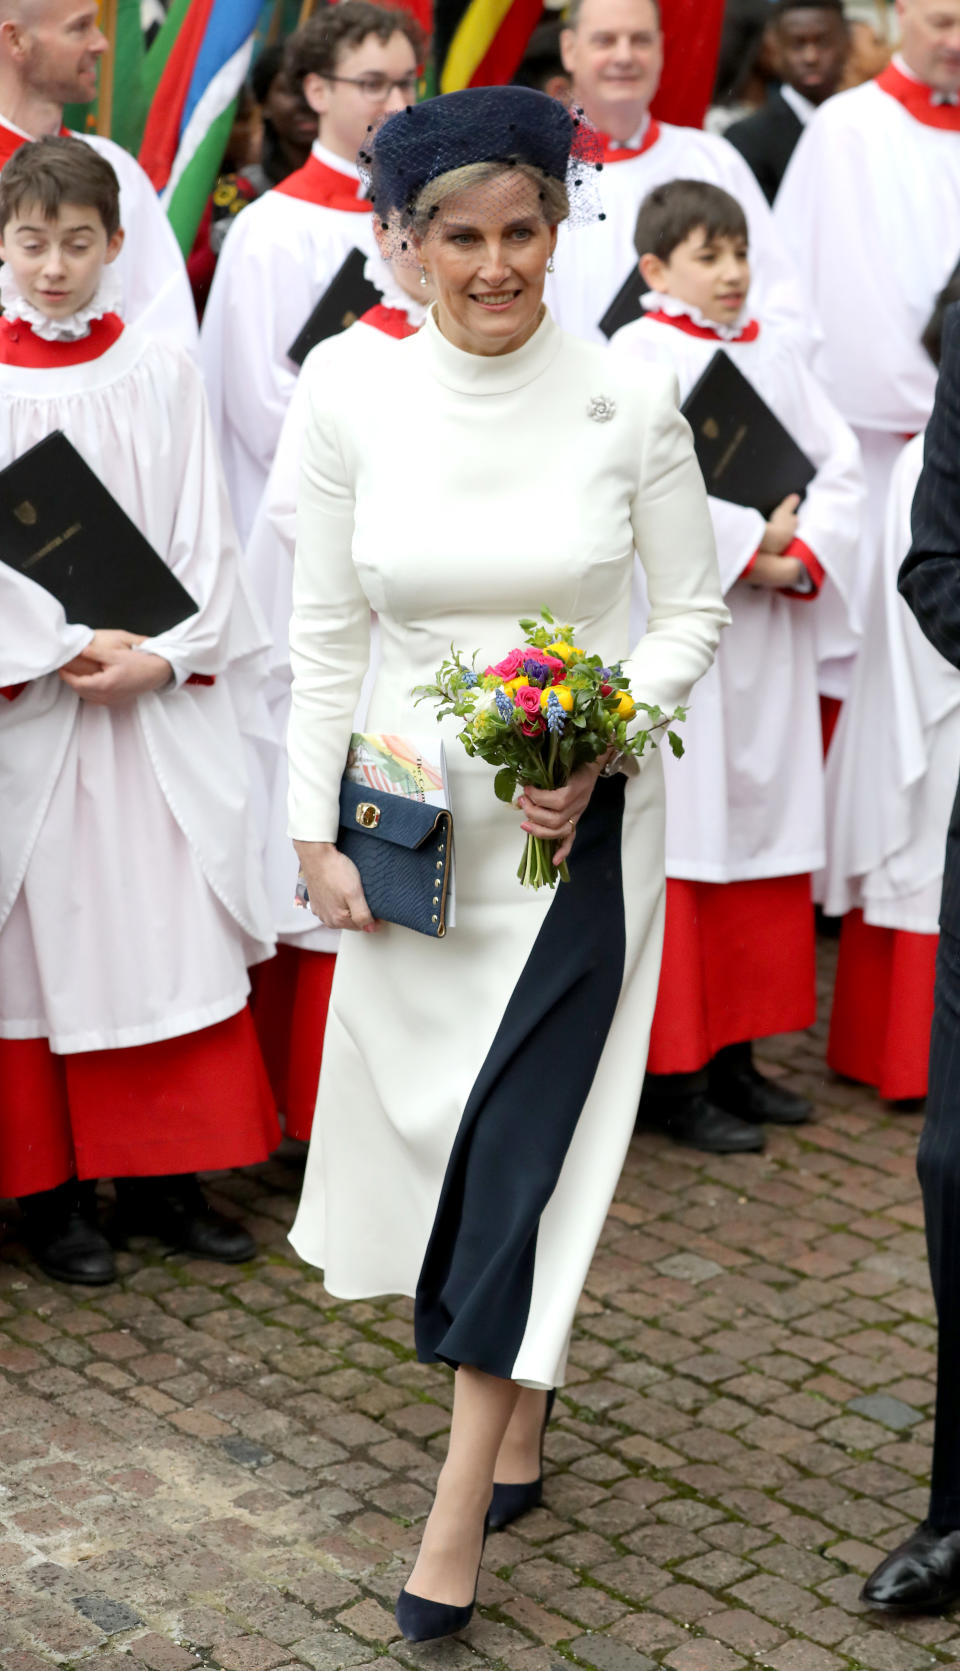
(601, 408)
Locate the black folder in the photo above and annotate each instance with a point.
(61, 528)
(625, 307)
(346, 297)
(746, 455)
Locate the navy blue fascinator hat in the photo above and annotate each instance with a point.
(508, 125)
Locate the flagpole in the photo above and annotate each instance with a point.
(108, 25)
(306, 12)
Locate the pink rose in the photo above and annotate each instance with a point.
(528, 698)
(531, 653)
(557, 669)
(532, 728)
(508, 668)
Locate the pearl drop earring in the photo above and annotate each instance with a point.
(550, 266)
(423, 276)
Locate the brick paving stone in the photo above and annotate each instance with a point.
(607, 1655)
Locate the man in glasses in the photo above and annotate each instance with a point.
(355, 63)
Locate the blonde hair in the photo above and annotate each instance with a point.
(552, 193)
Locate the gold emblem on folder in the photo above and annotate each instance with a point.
(25, 513)
(711, 429)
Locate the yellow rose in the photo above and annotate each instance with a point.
(561, 650)
(626, 707)
(514, 684)
(563, 696)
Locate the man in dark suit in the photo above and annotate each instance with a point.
(811, 42)
(923, 1574)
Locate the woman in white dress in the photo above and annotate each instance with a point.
(478, 1092)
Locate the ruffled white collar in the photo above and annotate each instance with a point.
(107, 298)
(653, 301)
(380, 274)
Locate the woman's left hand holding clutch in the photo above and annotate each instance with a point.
(553, 814)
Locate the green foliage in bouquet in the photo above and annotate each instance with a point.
(538, 715)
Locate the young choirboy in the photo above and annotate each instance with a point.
(745, 813)
(130, 899)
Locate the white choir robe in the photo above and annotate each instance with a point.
(893, 765)
(870, 211)
(131, 899)
(150, 267)
(594, 260)
(278, 258)
(746, 800)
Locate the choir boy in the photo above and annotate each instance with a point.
(130, 897)
(355, 62)
(613, 51)
(745, 812)
(870, 209)
(49, 56)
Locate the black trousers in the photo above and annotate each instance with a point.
(938, 1168)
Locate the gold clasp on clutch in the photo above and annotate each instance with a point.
(368, 815)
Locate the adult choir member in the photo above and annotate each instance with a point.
(923, 1574)
(49, 56)
(870, 209)
(478, 1093)
(354, 62)
(292, 991)
(130, 895)
(613, 50)
(812, 42)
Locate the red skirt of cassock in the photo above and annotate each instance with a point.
(197, 1103)
(739, 962)
(882, 1008)
(291, 995)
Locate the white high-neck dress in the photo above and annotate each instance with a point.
(478, 1092)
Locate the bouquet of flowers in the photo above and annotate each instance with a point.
(539, 714)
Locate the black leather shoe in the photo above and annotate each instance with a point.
(422, 1620)
(922, 1576)
(738, 1086)
(176, 1211)
(699, 1124)
(509, 1502)
(61, 1231)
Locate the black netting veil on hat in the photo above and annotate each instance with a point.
(508, 125)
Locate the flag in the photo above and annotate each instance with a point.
(129, 102)
(691, 46)
(480, 43)
(194, 71)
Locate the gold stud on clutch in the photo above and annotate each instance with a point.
(368, 815)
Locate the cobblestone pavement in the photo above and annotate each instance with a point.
(206, 1466)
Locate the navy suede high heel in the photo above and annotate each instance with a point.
(421, 1620)
(509, 1502)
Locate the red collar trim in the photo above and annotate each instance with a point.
(20, 346)
(623, 153)
(326, 187)
(11, 141)
(706, 333)
(917, 100)
(393, 322)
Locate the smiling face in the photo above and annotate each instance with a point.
(614, 54)
(712, 274)
(930, 41)
(362, 89)
(486, 255)
(57, 47)
(57, 263)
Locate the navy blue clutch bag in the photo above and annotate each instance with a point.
(403, 850)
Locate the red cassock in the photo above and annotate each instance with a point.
(199, 1100)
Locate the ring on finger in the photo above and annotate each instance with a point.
(572, 823)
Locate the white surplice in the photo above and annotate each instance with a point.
(870, 211)
(895, 757)
(594, 260)
(746, 801)
(131, 899)
(155, 288)
(277, 260)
